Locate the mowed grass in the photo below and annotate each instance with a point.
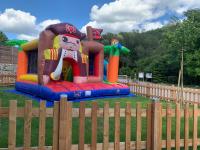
(6, 97)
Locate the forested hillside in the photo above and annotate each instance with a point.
(158, 51)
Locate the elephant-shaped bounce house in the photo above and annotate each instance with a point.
(65, 61)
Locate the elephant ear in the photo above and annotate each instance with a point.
(45, 42)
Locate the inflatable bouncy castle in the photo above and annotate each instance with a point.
(65, 61)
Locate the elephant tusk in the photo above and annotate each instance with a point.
(56, 74)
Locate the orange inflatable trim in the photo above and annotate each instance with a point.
(22, 64)
(113, 69)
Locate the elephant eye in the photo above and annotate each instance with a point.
(77, 41)
(65, 39)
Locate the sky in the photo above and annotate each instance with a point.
(22, 19)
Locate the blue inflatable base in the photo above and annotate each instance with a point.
(51, 103)
(45, 93)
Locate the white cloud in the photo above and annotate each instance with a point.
(126, 15)
(44, 24)
(23, 24)
(17, 21)
(26, 37)
(151, 26)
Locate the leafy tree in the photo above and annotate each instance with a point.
(106, 38)
(187, 37)
(3, 38)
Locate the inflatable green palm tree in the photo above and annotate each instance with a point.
(114, 51)
(16, 43)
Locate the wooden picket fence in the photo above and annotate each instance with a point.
(8, 62)
(7, 79)
(63, 112)
(8, 55)
(165, 92)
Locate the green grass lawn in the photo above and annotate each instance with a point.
(6, 97)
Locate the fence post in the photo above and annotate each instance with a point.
(81, 126)
(148, 90)
(173, 93)
(117, 126)
(94, 125)
(12, 125)
(42, 125)
(55, 139)
(63, 123)
(149, 126)
(156, 126)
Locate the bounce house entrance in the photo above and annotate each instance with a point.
(67, 72)
(32, 61)
(93, 64)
